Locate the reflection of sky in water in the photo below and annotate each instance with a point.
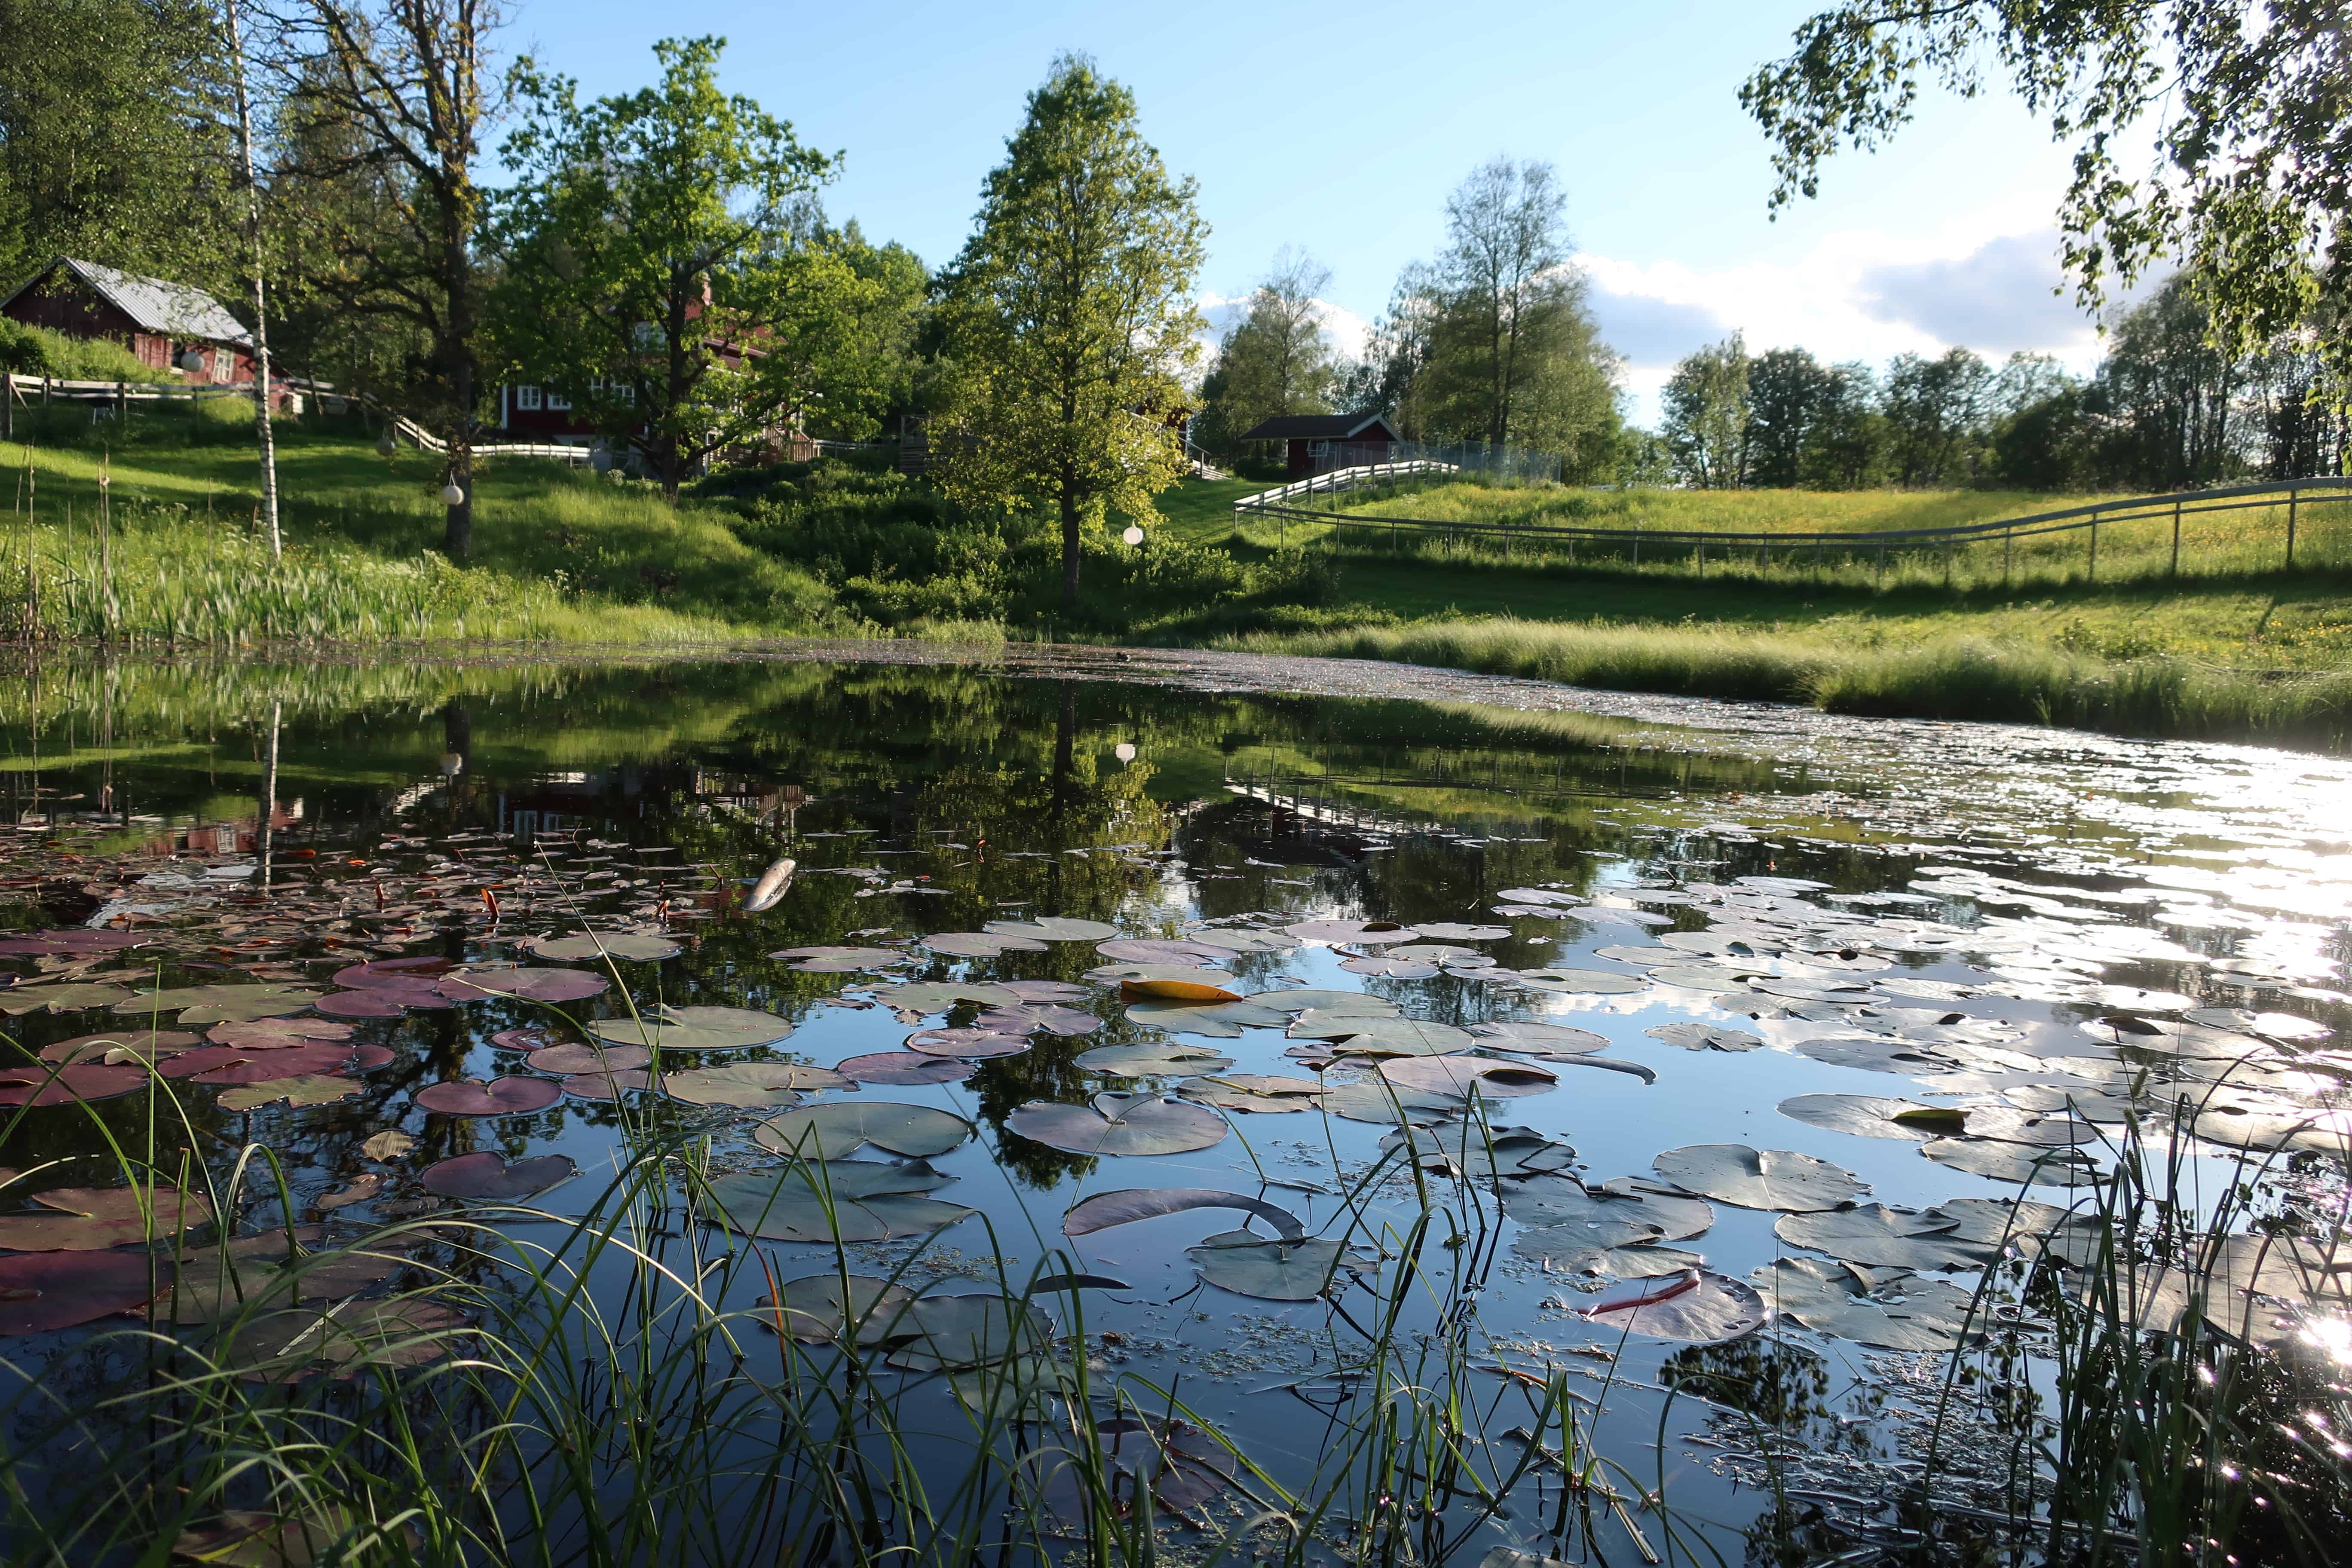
(2097, 868)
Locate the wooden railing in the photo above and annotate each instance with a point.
(2294, 494)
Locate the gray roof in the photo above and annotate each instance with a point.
(173, 309)
(1320, 427)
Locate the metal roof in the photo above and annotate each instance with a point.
(1317, 428)
(154, 304)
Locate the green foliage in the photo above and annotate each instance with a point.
(112, 134)
(36, 351)
(664, 272)
(1707, 416)
(2246, 108)
(1069, 318)
(1273, 362)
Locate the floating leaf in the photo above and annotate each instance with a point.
(1219, 1020)
(1870, 1116)
(1383, 1037)
(1772, 1179)
(1563, 1250)
(287, 1346)
(365, 1005)
(695, 1029)
(1609, 1218)
(1229, 938)
(784, 1206)
(48, 1084)
(388, 1145)
(219, 1004)
(124, 1046)
(939, 995)
(1461, 1147)
(2017, 1164)
(1385, 1104)
(529, 1037)
(1692, 1035)
(397, 973)
(1537, 1039)
(1361, 933)
(1883, 1238)
(843, 960)
(1051, 927)
(1252, 1092)
(266, 1034)
(1538, 896)
(752, 1085)
(304, 1089)
(1830, 1299)
(836, 1130)
(969, 1045)
(1458, 1075)
(1105, 1210)
(1174, 991)
(43, 1291)
(236, 1064)
(1149, 951)
(1036, 1019)
(1248, 1265)
(573, 1057)
(640, 947)
(359, 1191)
(1326, 1004)
(1874, 1054)
(20, 999)
(954, 1331)
(1451, 931)
(486, 1176)
(1171, 1058)
(1443, 954)
(524, 985)
(1191, 974)
(1696, 1306)
(980, 944)
(816, 1307)
(1391, 968)
(606, 1085)
(903, 1068)
(500, 1096)
(1119, 1124)
(1581, 981)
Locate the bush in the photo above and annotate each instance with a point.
(36, 351)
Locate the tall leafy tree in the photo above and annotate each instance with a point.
(1845, 444)
(1069, 316)
(116, 141)
(2245, 104)
(393, 96)
(2166, 394)
(1936, 411)
(1786, 388)
(1707, 416)
(1274, 360)
(655, 271)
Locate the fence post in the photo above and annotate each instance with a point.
(2175, 571)
(2094, 547)
(2008, 551)
(1881, 579)
(7, 405)
(2290, 529)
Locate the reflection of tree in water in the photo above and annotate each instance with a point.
(1777, 1401)
(1045, 1071)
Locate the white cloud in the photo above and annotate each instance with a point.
(1344, 332)
(1861, 295)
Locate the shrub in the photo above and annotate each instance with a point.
(36, 351)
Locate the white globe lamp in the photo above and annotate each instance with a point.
(452, 494)
(1134, 535)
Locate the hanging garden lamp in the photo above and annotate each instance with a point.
(1134, 535)
(386, 446)
(452, 494)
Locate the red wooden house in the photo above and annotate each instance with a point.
(1317, 443)
(167, 326)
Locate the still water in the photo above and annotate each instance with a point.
(1676, 1066)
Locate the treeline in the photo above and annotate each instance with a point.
(1494, 341)
(2166, 409)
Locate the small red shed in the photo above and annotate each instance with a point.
(161, 322)
(1317, 443)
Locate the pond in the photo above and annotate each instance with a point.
(1150, 1106)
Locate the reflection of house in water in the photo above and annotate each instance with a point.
(242, 837)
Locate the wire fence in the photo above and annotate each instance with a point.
(2153, 529)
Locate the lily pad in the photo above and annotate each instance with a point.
(816, 1309)
(1912, 1314)
(50, 1085)
(1257, 1093)
(1872, 1116)
(1235, 939)
(366, 1005)
(219, 1004)
(398, 973)
(1153, 950)
(68, 998)
(1695, 1307)
(500, 1096)
(785, 1206)
(1301, 999)
(1537, 1039)
(574, 1057)
(304, 1089)
(1169, 1058)
(843, 960)
(1873, 1053)
(639, 947)
(1053, 928)
(980, 944)
(1563, 1200)
(1105, 1210)
(1690, 1035)
(1219, 1020)
(43, 1291)
(1562, 1251)
(130, 1047)
(485, 1175)
(939, 995)
(1384, 1104)
(1248, 1264)
(2017, 1164)
(524, 985)
(969, 1331)
(609, 1085)
(1392, 968)
(1359, 934)
(1180, 974)
(1458, 1075)
(1036, 1019)
(267, 1034)
(776, 1086)
(1581, 982)
(902, 1068)
(836, 1130)
(695, 1029)
(1119, 1124)
(975, 1044)
(1885, 1238)
(1769, 1179)
(1383, 1037)
(1454, 930)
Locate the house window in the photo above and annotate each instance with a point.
(625, 395)
(527, 398)
(557, 402)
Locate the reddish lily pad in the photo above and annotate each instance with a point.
(566, 1059)
(606, 1085)
(364, 1005)
(526, 984)
(122, 1046)
(970, 1045)
(277, 1034)
(42, 1291)
(235, 1064)
(48, 1084)
(500, 1096)
(395, 972)
(485, 1175)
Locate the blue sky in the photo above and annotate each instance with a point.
(1341, 129)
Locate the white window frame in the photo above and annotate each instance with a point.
(557, 403)
(526, 397)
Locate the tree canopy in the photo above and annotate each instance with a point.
(1069, 317)
(1275, 360)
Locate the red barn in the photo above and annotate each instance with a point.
(166, 325)
(1317, 443)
